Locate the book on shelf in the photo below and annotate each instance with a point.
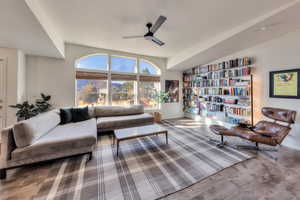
(233, 120)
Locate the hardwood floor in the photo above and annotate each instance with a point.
(257, 178)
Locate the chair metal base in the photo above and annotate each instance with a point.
(90, 156)
(219, 144)
(222, 143)
(2, 173)
(256, 147)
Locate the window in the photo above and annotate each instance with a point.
(147, 94)
(119, 82)
(123, 92)
(95, 62)
(91, 92)
(123, 64)
(148, 68)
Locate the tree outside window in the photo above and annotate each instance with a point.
(91, 92)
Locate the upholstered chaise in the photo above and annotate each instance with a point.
(42, 138)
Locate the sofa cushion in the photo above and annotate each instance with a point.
(80, 114)
(65, 116)
(63, 138)
(111, 123)
(91, 112)
(108, 111)
(28, 131)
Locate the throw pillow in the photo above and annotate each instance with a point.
(80, 114)
(65, 116)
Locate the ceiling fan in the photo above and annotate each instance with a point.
(151, 30)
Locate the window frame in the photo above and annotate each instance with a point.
(157, 68)
(134, 58)
(109, 73)
(91, 55)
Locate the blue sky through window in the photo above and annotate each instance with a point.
(121, 64)
(147, 68)
(97, 62)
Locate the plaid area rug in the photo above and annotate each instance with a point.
(146, 168)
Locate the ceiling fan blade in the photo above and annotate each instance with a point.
(133, 36)
(158, 23)
(157, 41)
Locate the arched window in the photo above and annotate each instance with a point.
(116, 80)
(147, 67)
(93, 62)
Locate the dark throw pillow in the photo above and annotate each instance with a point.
(65, 116)
(80, 114)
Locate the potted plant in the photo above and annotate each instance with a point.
(160, 97)
(26, 110)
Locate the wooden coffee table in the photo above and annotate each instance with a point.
(137, 132)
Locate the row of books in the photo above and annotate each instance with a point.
(216, 99)
(188, 77)
(231, 110)
(225, 91)
(215, 107)
(187, 91)
(220, 82)
(238, 62)
(240, 101)
(238, 111)
(229, 73)
(233, 120)
(213, 99)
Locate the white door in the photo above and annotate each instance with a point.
(2, 94)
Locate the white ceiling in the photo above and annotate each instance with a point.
(103, 23)
(19, 28)
(195, 32)
(256, 31)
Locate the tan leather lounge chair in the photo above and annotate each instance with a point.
(264, 132)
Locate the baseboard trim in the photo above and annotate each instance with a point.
(173, 116)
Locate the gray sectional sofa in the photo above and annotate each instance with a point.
(42, 137)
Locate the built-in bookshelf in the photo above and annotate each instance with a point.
(222, 91)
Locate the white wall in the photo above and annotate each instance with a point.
(56, 77)
(48, 25)
(278, 54)
(21, 81)
(15, 80)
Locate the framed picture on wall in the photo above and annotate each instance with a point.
(285, 84)
(172, 88)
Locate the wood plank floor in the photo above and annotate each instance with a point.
(258, 178)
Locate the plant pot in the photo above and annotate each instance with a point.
(20, 119)
(157, 117)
